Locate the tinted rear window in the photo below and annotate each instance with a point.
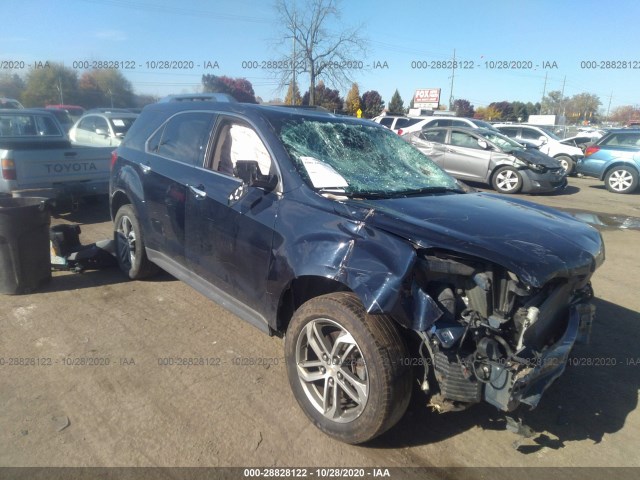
(28, 126)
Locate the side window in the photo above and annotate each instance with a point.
(237, 141)
(623, 139)
(102, 124)
(402, 123)
(462, 139)
(47, 126)
(509, 132)
(387, 122)
(153, 144)
(530, 134)
(185, 137)
(436, 136)
(441, 123)
(458, 123)
(86, 124)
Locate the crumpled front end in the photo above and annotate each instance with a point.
(486, 335)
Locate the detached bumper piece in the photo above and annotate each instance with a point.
(512, 384)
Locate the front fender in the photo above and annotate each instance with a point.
(374, 264)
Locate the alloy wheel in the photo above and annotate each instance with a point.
(332, 370)
(620, 180)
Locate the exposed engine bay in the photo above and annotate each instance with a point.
(492, 337)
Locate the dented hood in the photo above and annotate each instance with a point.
(535, 242)
(536, 157)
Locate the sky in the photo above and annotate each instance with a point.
(557, 44)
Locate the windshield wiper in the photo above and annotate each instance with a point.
(337, 191)
(420, 191)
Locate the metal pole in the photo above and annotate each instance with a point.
(544, 91)
(60, 91)
(453, 74)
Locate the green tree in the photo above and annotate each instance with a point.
(519, 112)
(52, 84)
(352, 102)
(11, 85)
(293, 95)
(325, 97)
(396, 105)
(583, 106)
(504, 108)
(487, 113)
(552, 103)
(105, 88)
(463, 108)
(372, 104)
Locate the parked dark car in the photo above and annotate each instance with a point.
(486, 156)
(615, 158)
(367, 257)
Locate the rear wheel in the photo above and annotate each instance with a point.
(346, 367)
(621, 180)
(507, 180)
(568, 165)
(129, 245)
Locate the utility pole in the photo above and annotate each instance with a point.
(609, 106)
(60, 91)
(562, 95)
(544, 91)
(453, 74)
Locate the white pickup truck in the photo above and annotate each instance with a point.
(37, 159)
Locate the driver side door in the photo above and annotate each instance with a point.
(465, 158)
(228, 243)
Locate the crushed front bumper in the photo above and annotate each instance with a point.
(510, 385)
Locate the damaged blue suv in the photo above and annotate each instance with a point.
(375, 266)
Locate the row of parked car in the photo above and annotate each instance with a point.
(519, 157)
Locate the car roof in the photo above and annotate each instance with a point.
(23, 111)
(187, 97)
(250, 109)
(111, 114)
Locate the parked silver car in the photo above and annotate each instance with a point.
(104, 129)
(485, 156)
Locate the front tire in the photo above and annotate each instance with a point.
(129, 245)
(621, 180)
(507, 180)
(346, 368)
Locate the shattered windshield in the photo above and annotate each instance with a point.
(334, 155)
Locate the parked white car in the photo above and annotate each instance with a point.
(399, 124)
(546, 141)
(105, 129)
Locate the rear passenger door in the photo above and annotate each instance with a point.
(228, 244)
(177, 151)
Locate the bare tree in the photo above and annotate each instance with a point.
(319, 52)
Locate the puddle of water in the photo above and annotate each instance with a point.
(605, 221)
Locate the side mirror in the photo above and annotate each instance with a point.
(249, 172)
(543, 140)
(483, 144)
(102, 131)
